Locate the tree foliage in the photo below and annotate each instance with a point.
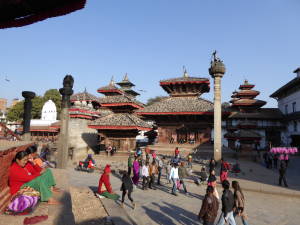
(155, 99)
(225, 105)
(16, 112)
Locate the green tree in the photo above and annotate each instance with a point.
(155, 99)
(16, 112)
(37, 105)
(225, 105)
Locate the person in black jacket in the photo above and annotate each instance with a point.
(209, 208)
(282, 171)
(227, 205)
(127, 187)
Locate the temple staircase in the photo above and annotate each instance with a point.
(5, 131)
(168, 149)
(205, 150)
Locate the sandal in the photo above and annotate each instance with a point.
(35, 219)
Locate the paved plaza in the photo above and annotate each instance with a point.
(160, 207)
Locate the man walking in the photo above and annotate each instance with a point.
(174, 177)
(152, 171)
(182, 173)
(227, 205)
(282, 171)
(160, 166)
(209, 208)
(130, 164)
(145, 174)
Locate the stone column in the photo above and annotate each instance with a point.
(217, 70)
(63, 142)
(28, 95)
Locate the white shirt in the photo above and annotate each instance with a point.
(174, 173)
(145, 171)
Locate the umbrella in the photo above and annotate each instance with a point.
(17, 13)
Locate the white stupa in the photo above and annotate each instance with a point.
(49, 115)
(49, 111)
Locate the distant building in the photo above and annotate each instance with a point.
(3, 104)
(250, 126)
(46, 128)
(288, 98)
(14, 102)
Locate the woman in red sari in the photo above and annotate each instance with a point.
(23, 174)
(105, 180)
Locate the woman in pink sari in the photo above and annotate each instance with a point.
(136, 169)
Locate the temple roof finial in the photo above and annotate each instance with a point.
(185, 74)
(126, 77)
(112, 81)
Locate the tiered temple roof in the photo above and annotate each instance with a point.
(184, 97)
(117, 108)
(121, 121)
(186, 85)
(245, 100)
(110, 89)
(179, 105)
(84, 106)
(126, 86)
(120, 100)
(83, 96)
(263, 113)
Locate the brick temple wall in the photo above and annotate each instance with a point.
(82, 139)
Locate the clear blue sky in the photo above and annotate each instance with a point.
(151, 40)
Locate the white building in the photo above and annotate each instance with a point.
(288, 97)
(49, 115)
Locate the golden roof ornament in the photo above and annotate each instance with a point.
(185, 74)
(126, 77)
(112, 82)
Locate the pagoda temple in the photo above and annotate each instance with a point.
(118, 125)
(84, 105)
(244, 100)
(249, 125)
(183, 116)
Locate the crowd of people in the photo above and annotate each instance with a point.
(149, 169)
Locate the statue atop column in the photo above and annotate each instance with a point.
(217, 70)
(63, 145)
(28, 95)
(217, 67)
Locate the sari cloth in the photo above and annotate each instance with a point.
(42, 184)
(136, 172)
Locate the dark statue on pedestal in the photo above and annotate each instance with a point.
(66, 91)
(28, 95)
